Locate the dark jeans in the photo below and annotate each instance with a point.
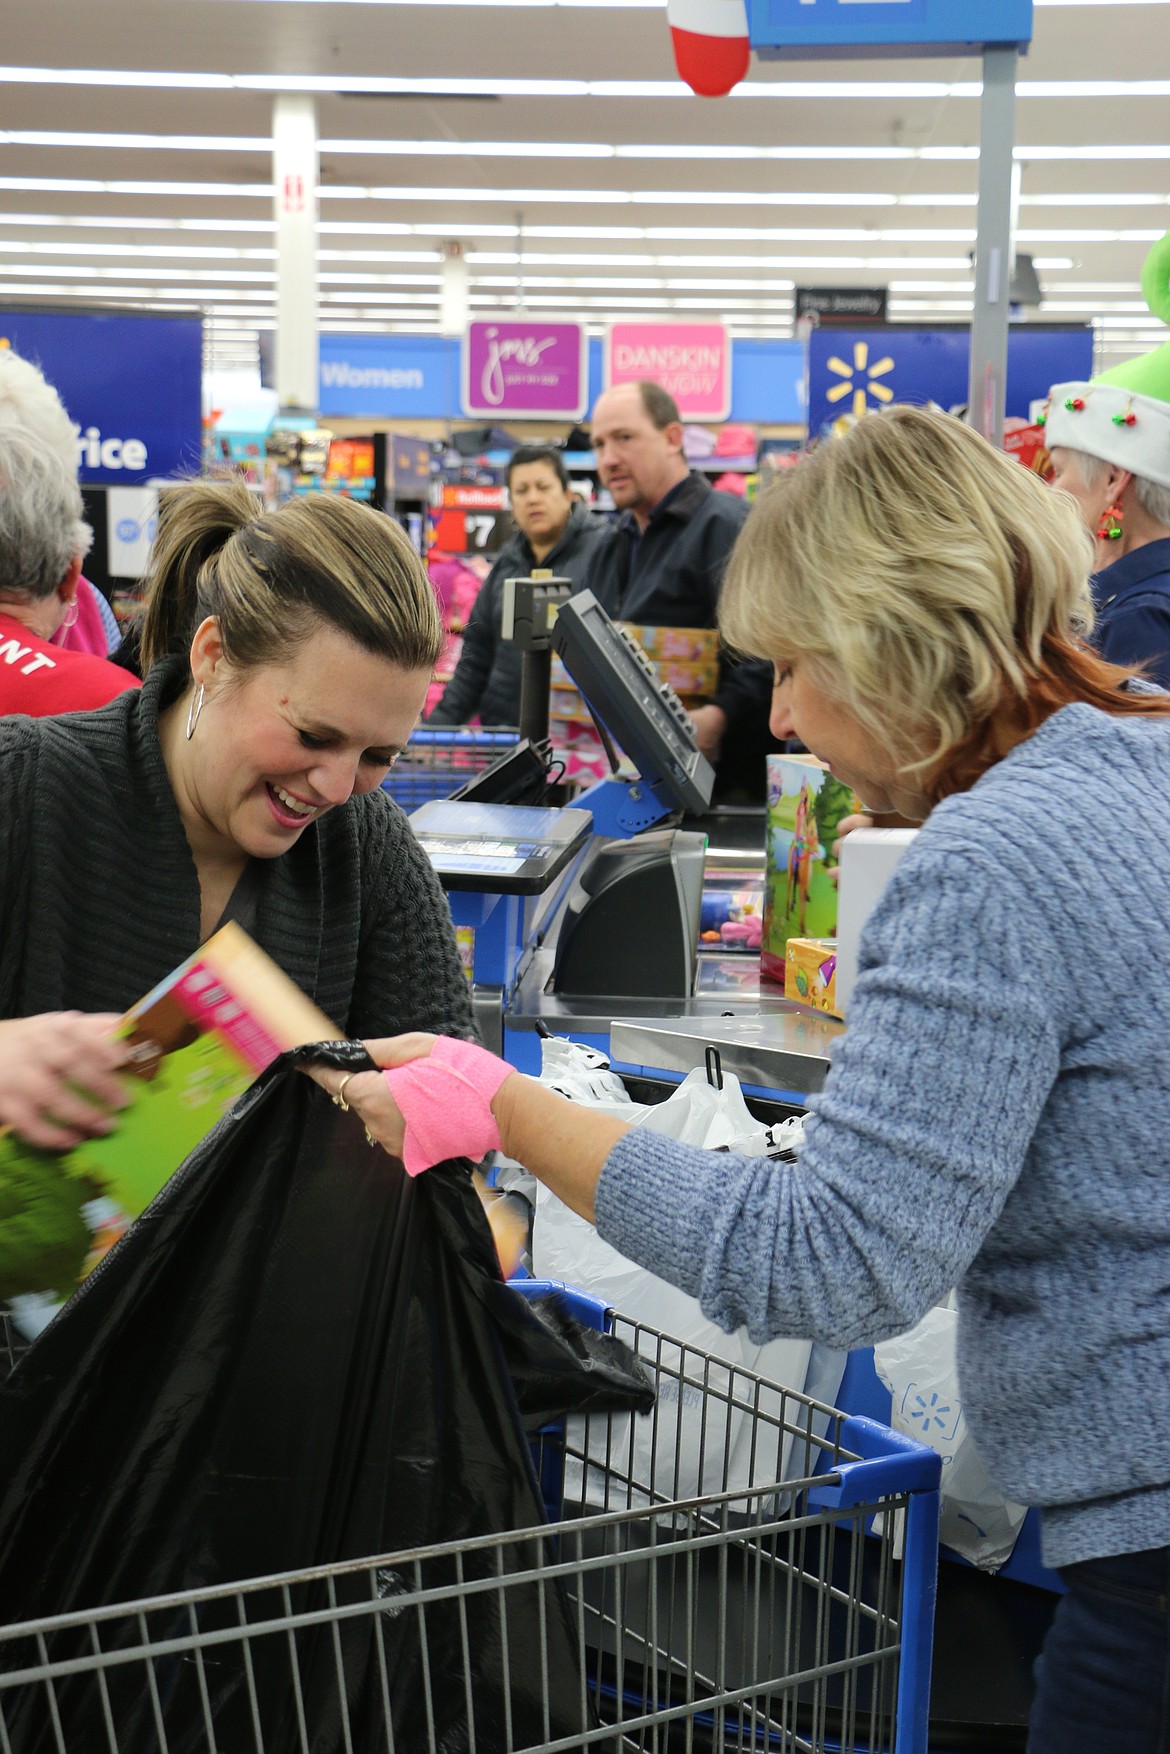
(1103, 1679)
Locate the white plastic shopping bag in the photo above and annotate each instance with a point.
(718, 1433)
(920, 1372)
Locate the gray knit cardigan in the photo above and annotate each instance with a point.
(99, 897)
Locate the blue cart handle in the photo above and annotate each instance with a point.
(890, 1464)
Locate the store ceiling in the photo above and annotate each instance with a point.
(122, 184)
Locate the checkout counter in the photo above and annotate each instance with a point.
(584, 922)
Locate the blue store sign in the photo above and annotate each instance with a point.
(855, 371)
(830, 29)
(132, 384)
(417, 376)
(409, 376)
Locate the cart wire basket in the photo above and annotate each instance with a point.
(707, 1595)
(437, 761)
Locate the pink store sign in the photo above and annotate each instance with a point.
(692, 361)
(533, 369)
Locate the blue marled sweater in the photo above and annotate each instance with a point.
(997, 1117)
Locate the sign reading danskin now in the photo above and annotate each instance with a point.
(692, 362)
(525, 368)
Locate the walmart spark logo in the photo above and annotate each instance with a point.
(850, 373)
(929, 1412)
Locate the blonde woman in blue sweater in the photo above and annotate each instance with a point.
(998, 1115)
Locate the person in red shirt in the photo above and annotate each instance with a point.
(43, 540)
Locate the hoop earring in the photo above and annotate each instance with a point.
(1109, 528)
(69, 619)
(194, 711)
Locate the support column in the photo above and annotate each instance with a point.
(993, 245)
(294, 168)
(455, 290)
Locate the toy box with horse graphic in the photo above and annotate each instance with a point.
(806, 806)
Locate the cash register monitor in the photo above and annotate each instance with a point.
(645, 716)
(631, 922)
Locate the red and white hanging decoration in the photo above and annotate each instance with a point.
(712, 49)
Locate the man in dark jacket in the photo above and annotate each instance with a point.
(552, 531)
(662, 564)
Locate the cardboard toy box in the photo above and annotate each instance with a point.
(810, 973)
(205, 1033)
(805, 808)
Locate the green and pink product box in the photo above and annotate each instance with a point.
(806, 806)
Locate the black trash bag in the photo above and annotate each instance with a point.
(296, 1356)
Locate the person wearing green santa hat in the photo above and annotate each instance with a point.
(1109, 441)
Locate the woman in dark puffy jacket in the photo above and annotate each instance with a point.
(552, 530)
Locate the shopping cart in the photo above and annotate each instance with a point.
(757, 1616)
(437, 761)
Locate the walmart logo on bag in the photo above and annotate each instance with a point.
(930, 1413)
(860, 379)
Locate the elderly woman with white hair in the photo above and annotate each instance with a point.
(29, 401)
(997, 1116)
(1110, 450)
(43, 542)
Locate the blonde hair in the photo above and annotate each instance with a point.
(269, 577)
(932, 585)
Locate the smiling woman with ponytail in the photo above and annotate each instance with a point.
(287, 658)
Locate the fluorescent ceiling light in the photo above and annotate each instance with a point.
(471, 148)
(1093, 88)
(160, 79)
(714, 234)
(335, 279)
(92, 186)
(568, 197)
(377, 255)
(757, 198)
(863, 263)
(138, 222)
(617, 197)
(531, 259)
(138, 142)
(723, 151)
(636, 283)
(1071, 236)
(1063, 304)
(1096, 286)
(186, 252)
(562, 149)
(1092, 153)
(1101, 200)
(125, 272)
(333, 83)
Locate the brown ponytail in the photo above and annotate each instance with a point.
(195, 521)
(268, 577)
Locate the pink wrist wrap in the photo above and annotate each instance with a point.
(445, 1101)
